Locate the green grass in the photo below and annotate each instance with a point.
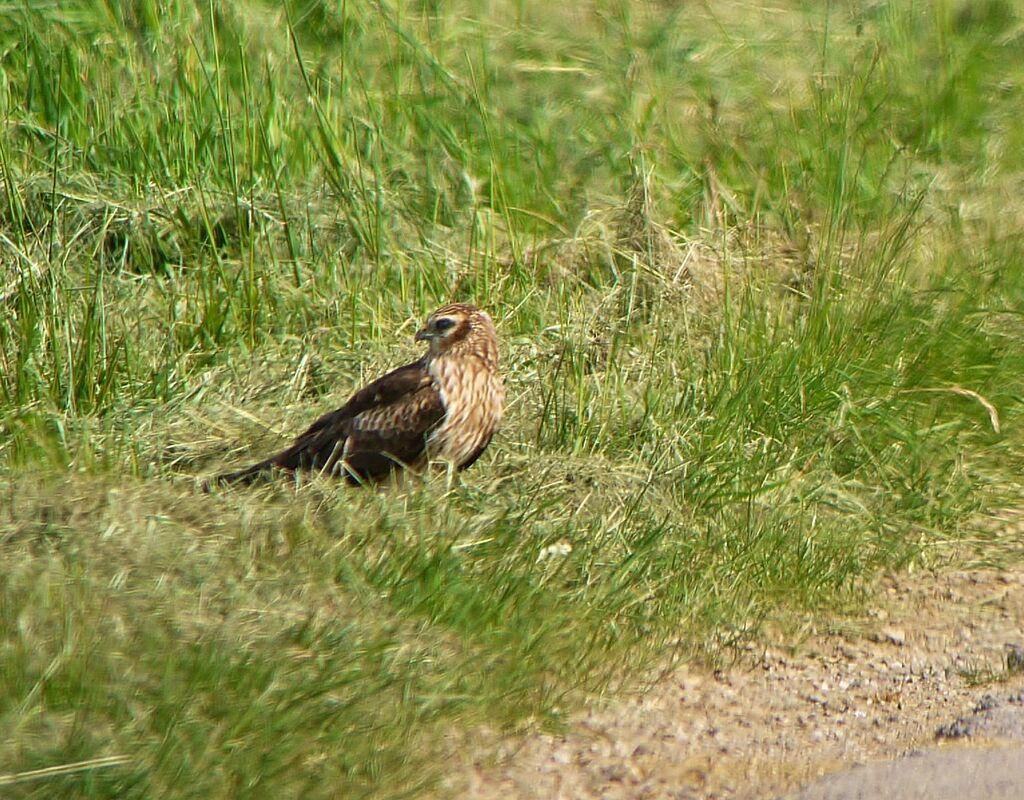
(758, 278)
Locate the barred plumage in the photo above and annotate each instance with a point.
(444, 407)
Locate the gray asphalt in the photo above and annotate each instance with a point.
(983, 759)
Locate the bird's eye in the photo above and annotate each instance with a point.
(444, 324)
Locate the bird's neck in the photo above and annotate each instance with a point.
(487, 357)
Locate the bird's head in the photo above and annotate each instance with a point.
(460, 327)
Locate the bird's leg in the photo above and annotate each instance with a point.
(451, 475)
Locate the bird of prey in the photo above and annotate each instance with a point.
(443, 407)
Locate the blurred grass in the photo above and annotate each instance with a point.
(757, 274)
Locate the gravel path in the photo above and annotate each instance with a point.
(925, 674)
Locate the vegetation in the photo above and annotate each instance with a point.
(758, 276)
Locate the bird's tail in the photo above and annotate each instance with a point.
(243, 477)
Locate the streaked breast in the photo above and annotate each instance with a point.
(473, 397)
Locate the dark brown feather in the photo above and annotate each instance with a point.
(383, 427)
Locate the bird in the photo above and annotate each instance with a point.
(444, 407)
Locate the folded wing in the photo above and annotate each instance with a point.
(383, 427)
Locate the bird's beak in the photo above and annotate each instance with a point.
(422, 335)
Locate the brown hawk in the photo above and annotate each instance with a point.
(444, 407)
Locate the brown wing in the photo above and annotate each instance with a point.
(383, 427)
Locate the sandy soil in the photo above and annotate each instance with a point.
(933, 649)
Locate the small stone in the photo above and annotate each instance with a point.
(893, 635)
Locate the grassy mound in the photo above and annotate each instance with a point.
(758, 278)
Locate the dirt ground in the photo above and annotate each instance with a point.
(935, 647)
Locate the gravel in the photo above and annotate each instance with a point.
(928, 665)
